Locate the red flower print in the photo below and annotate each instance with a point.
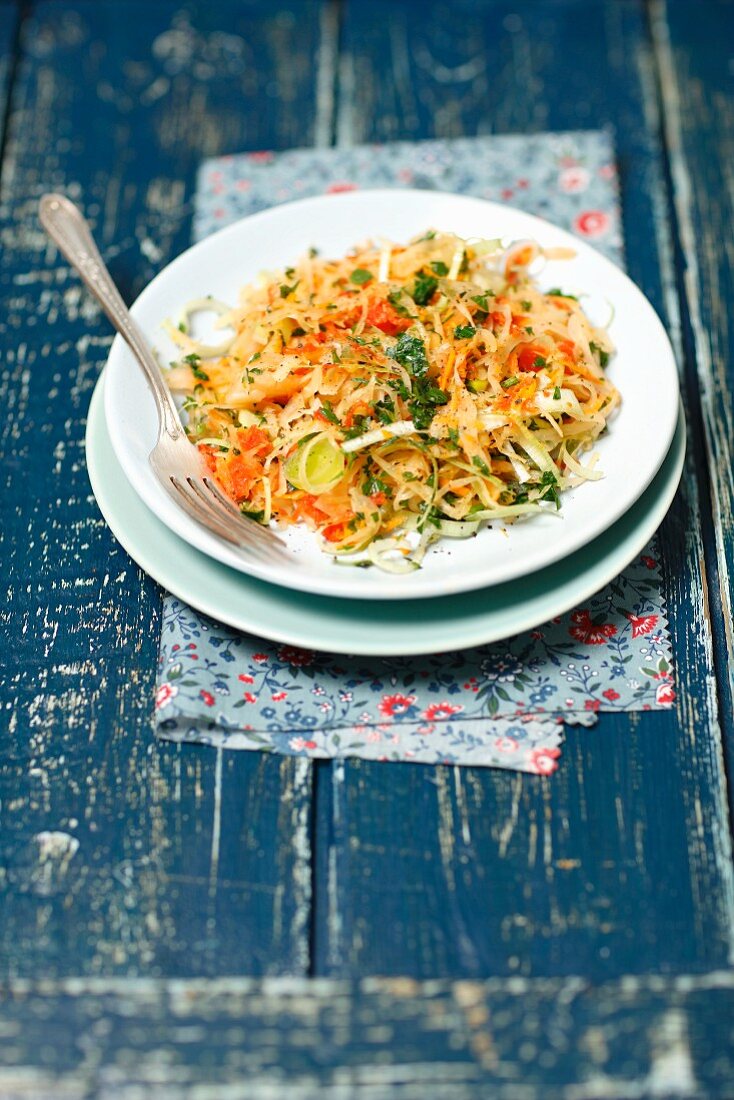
(611, 695)
(543, 761)
(390, 705)
(522, 185)
(587, 632)
(245, 678)
(642, 624)
(573, 179)
(299, 658)
(163, 696)
(261, 658)
(505, 744)
(649, 562)
(592, 223)
(261, 156)
(279, 696)
(665, 695)
(249, 697)
(441, 710)
(298, 744)
(206, 697)
(592, 704)
(335, 188)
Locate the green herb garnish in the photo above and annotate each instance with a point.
(603, 355)
(482, 299)
(423, 288)
(556, 292)
(360, 276)
(329, 413)
(550, 483)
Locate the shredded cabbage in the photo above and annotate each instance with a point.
(398, 395)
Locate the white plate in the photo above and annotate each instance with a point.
(630, 453)
(374, 627)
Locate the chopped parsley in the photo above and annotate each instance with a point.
(360, 276)
(384, 410)
(410, 353)
(329, 413)
(539, 361)
(374, 485)
(482, 299)
(464, 332)
(603, 355)
(394, 300)
(557, 393)
(526, 306)
(423, 288)
(193, 361)
(439, 267)
(285, 290)
(550, 484)
(556, 292)
(425, 397)
(481, 465)
(360, 425)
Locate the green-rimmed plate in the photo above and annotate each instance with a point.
(369, 627)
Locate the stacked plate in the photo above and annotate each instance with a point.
(470, 592)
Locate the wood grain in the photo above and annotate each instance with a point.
(694, 55)
(621, 861)
(555, 1039)
(119, 855)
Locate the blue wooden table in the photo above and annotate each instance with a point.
(180, 922)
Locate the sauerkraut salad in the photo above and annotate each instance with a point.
(400, 394)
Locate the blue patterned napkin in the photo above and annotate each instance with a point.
(502, 705)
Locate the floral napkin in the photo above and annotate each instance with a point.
(501, 705)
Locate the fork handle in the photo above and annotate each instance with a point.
(66, 226)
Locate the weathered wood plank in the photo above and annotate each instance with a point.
(119, 855)
(8, 30)
(621, 862)
(554, 1039)
(694, 53)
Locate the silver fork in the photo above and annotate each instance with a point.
(177, 463)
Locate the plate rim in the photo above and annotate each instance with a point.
(417, 586)
(608, 565)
